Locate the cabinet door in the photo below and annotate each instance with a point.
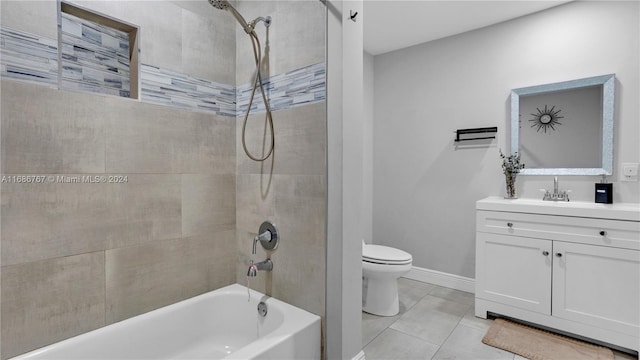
(514, 271)
(597, 285)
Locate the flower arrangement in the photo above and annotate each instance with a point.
(511, 166)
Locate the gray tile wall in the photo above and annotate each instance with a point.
(77, 255)
(290, 187)
(290, 190)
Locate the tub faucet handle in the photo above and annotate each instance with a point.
(265, 236)
(268, 237)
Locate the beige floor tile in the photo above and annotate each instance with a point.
(392, 344)
(470, 319)
(432, 319)
(453, 295)
(437, 316)
(412, 291)
(373, 325)
(466, 343)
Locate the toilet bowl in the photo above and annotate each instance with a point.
(381, 268)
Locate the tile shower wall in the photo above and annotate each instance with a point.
(28, 57)
(78, 255)
(298, 87)
(290, 187)
(95, 58)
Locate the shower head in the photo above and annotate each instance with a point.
(224, 5)
(219, 4)
(248, 27)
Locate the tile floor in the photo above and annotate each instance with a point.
(434, 323)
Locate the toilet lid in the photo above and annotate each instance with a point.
(385, 255)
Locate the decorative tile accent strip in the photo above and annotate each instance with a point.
(28, 57)
(94, 57)
(165, 87)
(294, 88)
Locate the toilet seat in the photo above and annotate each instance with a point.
(378, 254)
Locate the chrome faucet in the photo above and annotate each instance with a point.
(265, 236)
(266, 265)
(557, 195)
(268, 238)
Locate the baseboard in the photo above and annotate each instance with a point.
(452, 281)
(359, 356)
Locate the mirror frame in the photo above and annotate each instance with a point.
(608, 100)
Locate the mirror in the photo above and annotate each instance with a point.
(564, 128)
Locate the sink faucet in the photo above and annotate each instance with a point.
(266, 265)
(557, 195)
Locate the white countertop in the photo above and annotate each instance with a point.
(621, 211)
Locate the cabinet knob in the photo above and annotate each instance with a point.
(545, 253)
(559, 254)
(603, 233)
(510, 224)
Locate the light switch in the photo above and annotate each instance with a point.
(630, 172)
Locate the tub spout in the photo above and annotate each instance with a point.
(266, 265)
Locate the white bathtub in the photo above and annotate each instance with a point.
(220, 324)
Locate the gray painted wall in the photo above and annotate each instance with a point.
(425, 187)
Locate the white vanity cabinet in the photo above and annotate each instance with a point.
(573, 267)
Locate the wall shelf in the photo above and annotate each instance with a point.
(475, 133)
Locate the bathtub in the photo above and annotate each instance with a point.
(221, 324)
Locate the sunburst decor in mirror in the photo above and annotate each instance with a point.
(585, 150)
(547, 118)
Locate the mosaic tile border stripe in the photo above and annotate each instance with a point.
(34, 59)
(28, 57)
(94, 57)
(298, 87)
(165, 87)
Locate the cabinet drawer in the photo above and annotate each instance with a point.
(604, 232)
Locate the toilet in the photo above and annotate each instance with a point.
(381, 268)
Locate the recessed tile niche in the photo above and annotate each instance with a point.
(97, 53)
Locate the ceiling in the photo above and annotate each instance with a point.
(395, 24)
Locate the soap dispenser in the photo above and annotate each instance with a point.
(604, 192)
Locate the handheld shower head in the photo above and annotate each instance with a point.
(219, 4)
(224, 5)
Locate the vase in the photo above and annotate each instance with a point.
(510, 180)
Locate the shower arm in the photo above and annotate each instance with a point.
(266, 20)
(249, 27)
